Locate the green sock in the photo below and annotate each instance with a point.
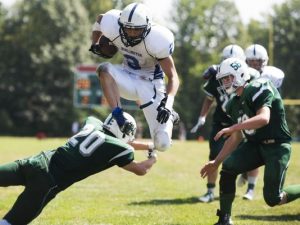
(226, 201)
(293, 192)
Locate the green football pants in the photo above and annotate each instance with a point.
(39, 187)
(250, 155)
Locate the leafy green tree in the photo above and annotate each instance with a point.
(286, 25)
(203, 29)
(43, 41)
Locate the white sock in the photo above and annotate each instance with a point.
(252, 180)
(210, 190)
(4, 222)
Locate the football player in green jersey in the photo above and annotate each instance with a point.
(257, 110)
(213, 93)
(97, 147)
(257, 58)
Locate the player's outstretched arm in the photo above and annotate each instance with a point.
(204, 111)
(140, 168)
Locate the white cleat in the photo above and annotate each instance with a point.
(208, 197)
(249, 195)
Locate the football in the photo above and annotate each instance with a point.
(107, 47)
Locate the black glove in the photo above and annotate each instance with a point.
(163, 112)
(210, 72)
(96, 49)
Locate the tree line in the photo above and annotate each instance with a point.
(42, 41)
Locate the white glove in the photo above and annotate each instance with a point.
(201, 122)
(152, 153)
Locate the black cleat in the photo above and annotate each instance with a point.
(224, 219)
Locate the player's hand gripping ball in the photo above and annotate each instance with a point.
(105, 48)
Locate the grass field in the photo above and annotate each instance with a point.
(166, 196)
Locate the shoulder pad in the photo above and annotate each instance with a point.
(274, 74)
(160, 42)
(210, 72)
(109, 24)
(254, 74)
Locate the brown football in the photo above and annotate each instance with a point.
(107, 47)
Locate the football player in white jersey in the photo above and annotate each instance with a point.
(257, 58)
(147, 50)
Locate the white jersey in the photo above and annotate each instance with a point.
(254, 74)
(141, 59)
(273, 74)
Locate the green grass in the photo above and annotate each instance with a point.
(166, 196)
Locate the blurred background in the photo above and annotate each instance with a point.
(48, 85)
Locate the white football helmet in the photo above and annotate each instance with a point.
(134, 16)
(110, 124)
(233, 67)
(257, 52)
(233, 51)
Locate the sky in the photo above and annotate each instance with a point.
(248, 8)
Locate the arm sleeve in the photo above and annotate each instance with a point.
(262, 96)
(160, 42)
(109, 24)
(124, 158)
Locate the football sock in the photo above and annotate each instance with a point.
(226, 203)
(251, 182)
(210, 187)
(293, 192)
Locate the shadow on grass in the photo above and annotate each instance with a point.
(284, 217)
(176, 201)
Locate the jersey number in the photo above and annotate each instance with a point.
(90, 144)
(224, 99)
(132, 62)
(243, 118)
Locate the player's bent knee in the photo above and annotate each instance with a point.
(162, 141)
(271, 200)
(102, 68)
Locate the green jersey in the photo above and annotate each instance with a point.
(257, 94)
(88, 152)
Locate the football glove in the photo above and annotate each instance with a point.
(210, 72)
(201, 122)
(165, 109)
(96, 49)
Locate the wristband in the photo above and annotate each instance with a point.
(170, 101)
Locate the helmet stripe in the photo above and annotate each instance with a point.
(254, 51)
(231, 50)
(131, 13)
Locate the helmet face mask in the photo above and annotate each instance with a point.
(233, 73)
(256, 56)
(111, 125)
(134, 24)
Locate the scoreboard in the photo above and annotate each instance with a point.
(87, 90)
